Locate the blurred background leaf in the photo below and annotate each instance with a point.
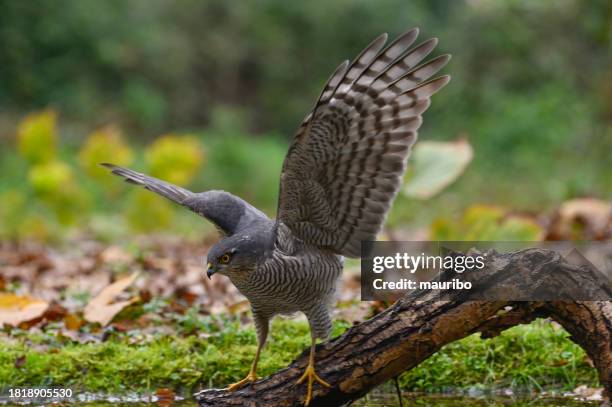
(435, 165)
(104, 145)
(487, 223)
(48, 179)
(37, 137)
(174, 158)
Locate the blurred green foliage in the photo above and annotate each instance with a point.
(531, 91)
(147, 212)
(104, 144)
(481, 222)
(174, 158)
(50, 178)
(37, 138)
(50, 192)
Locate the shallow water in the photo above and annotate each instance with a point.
(441, 400)
(376, 398)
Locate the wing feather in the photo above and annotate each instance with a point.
(346, 161)
(227, 212)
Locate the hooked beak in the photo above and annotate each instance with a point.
(210, 271)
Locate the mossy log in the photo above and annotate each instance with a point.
(419, 324)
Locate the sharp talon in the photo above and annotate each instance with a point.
(321, 381)
(251, 377)
(311, 376)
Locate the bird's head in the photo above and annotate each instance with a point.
(235, 256)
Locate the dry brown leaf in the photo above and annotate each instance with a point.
(239, 307)
(115, 254)
(582, 218)
(15, 309)
(73, 322)
(186, 295)
(217, 308)
(101, 309)
(589, 393)
(165, 397)
(55, 312)
(164, 393)
(20, 362)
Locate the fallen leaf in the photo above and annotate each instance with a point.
(582, 219)
(55, 312)
(15, 309)
(73, 322)
(239, 307)
(147, 320)
(26, 325)
(165, 397)
(188, 296)
(217, 308)
(177, 308)
(435, 165)
(20, 361)
(101, 309)
(115, 254)
(125, 325)
(589, 393)
(145, 296)
(164, 393)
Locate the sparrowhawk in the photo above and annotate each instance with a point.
(338, 180)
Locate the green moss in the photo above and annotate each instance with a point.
(535, 355)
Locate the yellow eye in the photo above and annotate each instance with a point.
(224, 259)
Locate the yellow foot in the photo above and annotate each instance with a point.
(251, 377)
(311, 375)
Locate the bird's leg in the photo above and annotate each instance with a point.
(251, 376)
(261, 325)
(309, 374)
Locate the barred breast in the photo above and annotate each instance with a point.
(295, 277)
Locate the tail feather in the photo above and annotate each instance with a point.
(163, 188)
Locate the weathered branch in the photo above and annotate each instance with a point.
(419, 324)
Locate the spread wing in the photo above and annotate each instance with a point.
(347, 159)
(227, 212)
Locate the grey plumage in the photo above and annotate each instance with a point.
(227, 212)
(339, 178)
